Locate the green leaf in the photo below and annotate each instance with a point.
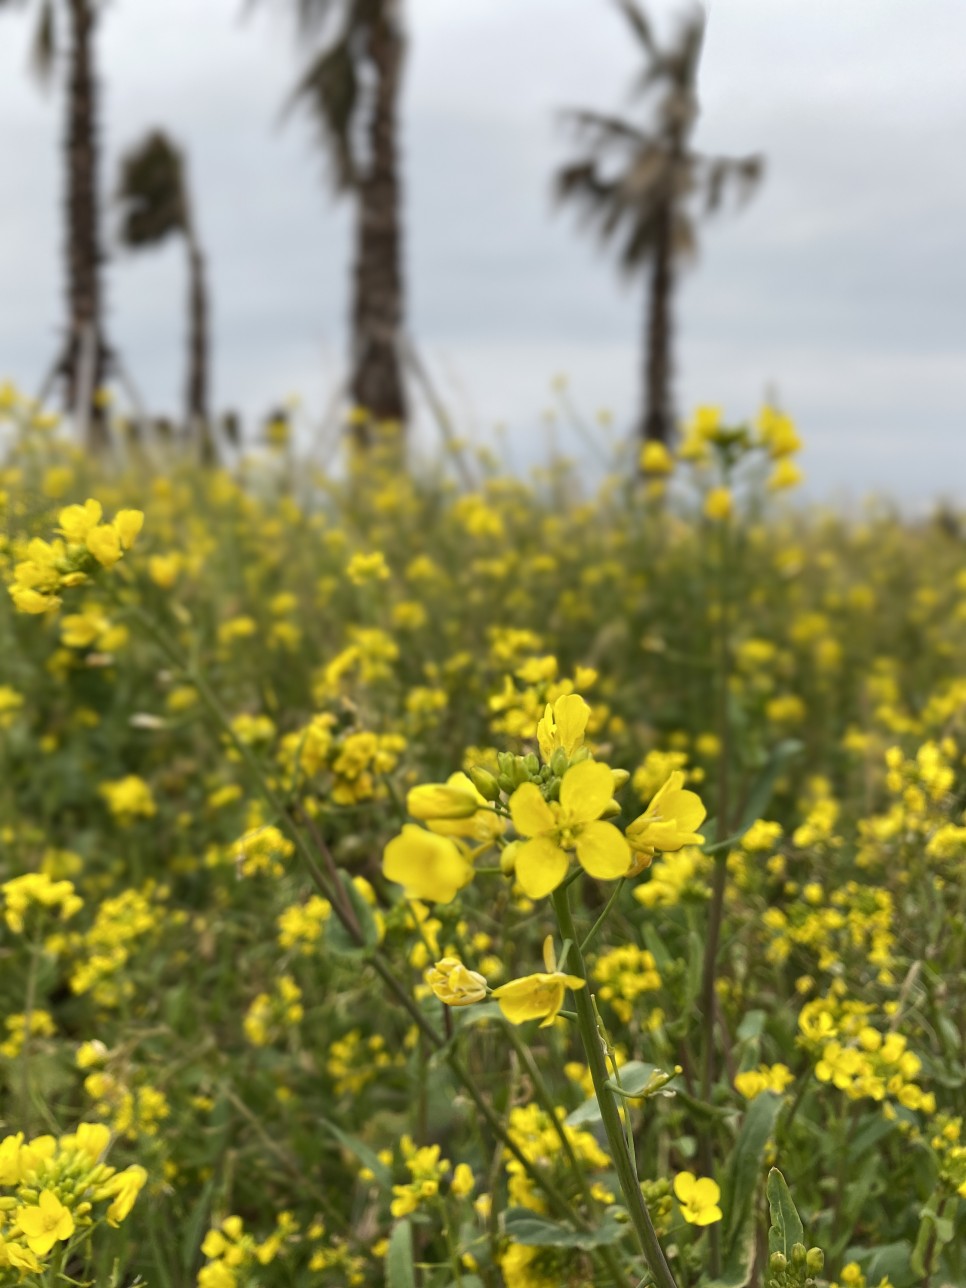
(636, 1077)
(890, 1261)
(363, 1153)
(752, 1026)
(744, 1171)
(192, 1233)
(761, 791)
(337, 938)
(465, 1017)
(399, 1257)
(523, 1226)
(786, 1227)
(935, 1231)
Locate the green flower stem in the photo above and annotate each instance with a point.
(334, 893)
(625, 1166)
(549, 1105)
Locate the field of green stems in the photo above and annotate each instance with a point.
(479, 884)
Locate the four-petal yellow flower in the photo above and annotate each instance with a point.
(535, 997)
(45, 1223)
(698, 1198)
(573, 823)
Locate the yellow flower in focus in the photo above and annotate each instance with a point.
(535, 997)
(563, 725)
(655, 459)
(454, 984)
(45, 1224)
(718, 504)
(669, 823)
(428, 867)
(698, 1198)
(573, 823)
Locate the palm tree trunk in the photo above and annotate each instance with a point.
(197, 393)
(658, 419)
(377, 384)
(83, 250)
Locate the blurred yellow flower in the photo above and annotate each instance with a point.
(718, 504)
(427, 866)
(454, 984)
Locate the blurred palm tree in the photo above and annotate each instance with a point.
(155, 204)
(644, 188)
(84, 360)
(351, 87)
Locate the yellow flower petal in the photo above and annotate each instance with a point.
(541, 865)
(586, 790)
(602, 851)
(530, 812)
(571, 714)
(427, 866)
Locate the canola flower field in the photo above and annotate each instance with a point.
(461, 886)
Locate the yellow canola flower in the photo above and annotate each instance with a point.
(669, 823)
(125, 1186)
(76, 521)
(428, 867)
(450, 800)
(698, 1198)
(573, 823)
(718, 504)
(563, 725)
(454, 984)
(45, 1223)
(655, 459)
(778, 433)
(775, 1078)
(786, 474)
(536, 997)
(445, 809)
(21, 1258)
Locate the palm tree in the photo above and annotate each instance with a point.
(643, 189)
(155, 204)
(84, 360)
(351, 86)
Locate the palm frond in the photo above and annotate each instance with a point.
(640, 23)
(606, 128)
(721, 177)
(676, 65)
(152, 192)
(330, 90)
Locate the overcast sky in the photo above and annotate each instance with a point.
(842, 285)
